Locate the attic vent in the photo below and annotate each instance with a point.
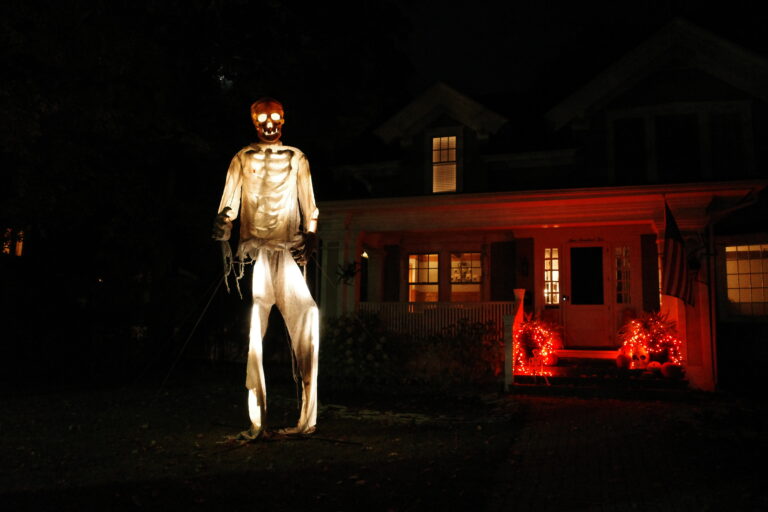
(443, 164)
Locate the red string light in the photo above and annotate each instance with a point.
(651, 336)
(534, 347)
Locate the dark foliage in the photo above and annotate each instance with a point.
(118, 123)
(464, 354)
(359, 352)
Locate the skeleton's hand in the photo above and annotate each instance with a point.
(222, 225)
(305, 248)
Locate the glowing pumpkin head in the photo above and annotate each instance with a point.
(268, 118)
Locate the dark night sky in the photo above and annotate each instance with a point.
(125, 91)
(488, 48)
(115, 132)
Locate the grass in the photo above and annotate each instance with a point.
(149, 448)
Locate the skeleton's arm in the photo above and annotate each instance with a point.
(303, 250)
(307, 195)
(230, 201)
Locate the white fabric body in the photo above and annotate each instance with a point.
(270, 186)
(278, 280)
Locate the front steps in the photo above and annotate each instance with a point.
(597, 371)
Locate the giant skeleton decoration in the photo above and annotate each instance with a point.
(271, 187)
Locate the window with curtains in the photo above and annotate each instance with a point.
(466, 276)
(423, 277)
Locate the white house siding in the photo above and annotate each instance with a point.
(605, 217)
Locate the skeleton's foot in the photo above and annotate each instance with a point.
(251, 435)
(294, 431)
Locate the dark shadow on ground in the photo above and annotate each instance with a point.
(145, 447)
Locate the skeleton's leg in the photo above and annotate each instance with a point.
(263, 298)
(302, 320)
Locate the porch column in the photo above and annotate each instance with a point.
(329, 298)
(375, 272)
(511, 326)
(331, 232)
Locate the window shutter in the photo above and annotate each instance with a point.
(391, 285)
(503, 271)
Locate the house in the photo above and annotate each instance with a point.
(462, 215)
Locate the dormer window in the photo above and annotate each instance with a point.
(681, 142)
(444, 164)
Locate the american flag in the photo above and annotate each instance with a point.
(676, 278)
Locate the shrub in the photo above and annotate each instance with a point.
(536, 337)
(463, 353)
(651, 337)
(358, 350)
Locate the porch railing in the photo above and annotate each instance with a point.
(424, 318)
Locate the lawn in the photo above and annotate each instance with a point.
(149, 446)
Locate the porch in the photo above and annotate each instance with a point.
(424, 318)
(574, 366)
(600, 374)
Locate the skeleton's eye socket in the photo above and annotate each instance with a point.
(275, 116)
(261, 118)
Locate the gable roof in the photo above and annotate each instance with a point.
(727, 61)
(431, 104)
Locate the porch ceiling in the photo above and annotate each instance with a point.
(537, 209)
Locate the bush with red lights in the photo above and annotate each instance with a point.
(535, 343)
(650, 342)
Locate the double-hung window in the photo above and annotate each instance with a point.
(746, 272)
(423, 277)
(444, 164)
(466, 276)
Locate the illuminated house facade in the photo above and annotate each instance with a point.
(463, 215)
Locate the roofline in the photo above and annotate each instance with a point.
(632, 65)
(404, 118)
(452, 200)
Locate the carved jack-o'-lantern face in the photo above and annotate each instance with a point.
(268, 118)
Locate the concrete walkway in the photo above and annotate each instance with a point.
(693, 452)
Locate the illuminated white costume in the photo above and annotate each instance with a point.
(270, 186)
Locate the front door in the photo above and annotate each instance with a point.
(585, 301)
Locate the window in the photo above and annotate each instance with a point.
(681, 142)
(630, 153)
(13, 243)
(678, 147)
(746, 269)
(466, 276)
(423, 277)
(728, 143)
(443, 164)
(622, 275)
(551, 276)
